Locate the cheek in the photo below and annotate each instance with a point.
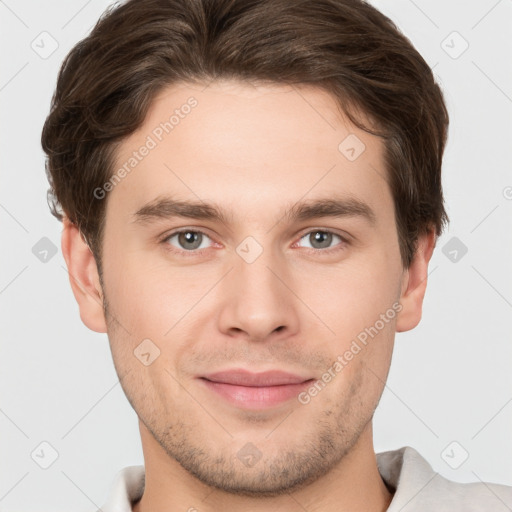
(150, 295)
(352, 296)
(353, 386)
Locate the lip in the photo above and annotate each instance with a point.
(249, 390)
(241, 377)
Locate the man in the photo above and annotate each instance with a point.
(251, 194)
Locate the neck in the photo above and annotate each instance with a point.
(353, 485)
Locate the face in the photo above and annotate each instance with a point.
(290, 264)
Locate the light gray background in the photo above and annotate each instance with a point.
(450, 379)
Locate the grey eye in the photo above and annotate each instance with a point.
(188, 240)
(320, 239)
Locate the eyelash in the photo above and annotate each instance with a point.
(196, 252)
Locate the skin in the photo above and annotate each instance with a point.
(254, 151)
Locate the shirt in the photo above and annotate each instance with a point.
(417, 487)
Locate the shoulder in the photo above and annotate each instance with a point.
(418, 487)
(126, 488)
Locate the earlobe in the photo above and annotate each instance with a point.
(415, 284)
(83, 277)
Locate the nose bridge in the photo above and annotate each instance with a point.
(257, 300)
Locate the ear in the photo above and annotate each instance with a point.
(414, 284)
(83, 277)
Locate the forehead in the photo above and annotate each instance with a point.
(249, 147)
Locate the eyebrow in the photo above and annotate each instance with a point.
(167, 208)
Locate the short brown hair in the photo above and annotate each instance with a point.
(345, 47)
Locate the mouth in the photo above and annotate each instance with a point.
(249, 390)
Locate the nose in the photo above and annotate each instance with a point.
(257, 301)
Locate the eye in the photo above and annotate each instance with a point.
(322, 239)
(187, 240)
(193, 241)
